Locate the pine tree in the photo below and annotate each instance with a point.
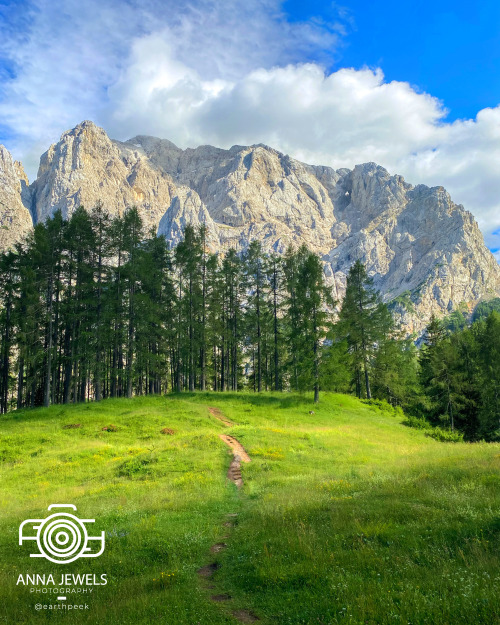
(117, 306)
(489, 362)
(188, 256)
(214, 319)
(433, 336)
(101, 244)
(293, 326)
(468, 352)
(48, 248)
(26, 315)
(202, 233)
(276, 283)
(395, 371)
(133, 229)
(93, 307)
(8, 283)
(364, 321)
(254, 277)
(232, 321)
(307, 317)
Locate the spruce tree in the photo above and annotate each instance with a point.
(101, 244)
(276, 285)
(8, 293)
(364, 321)
(489, 362)
(307, 317)
(255, 285)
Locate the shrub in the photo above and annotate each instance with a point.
(137, 467)
(439, 434)
(446, 436)
(417, 423)
(383, 404)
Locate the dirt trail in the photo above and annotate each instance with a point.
(217, 414)
(236, 446)
(234, 474)
(239, 456)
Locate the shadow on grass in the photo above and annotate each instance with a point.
(38, 413)
(287, 400)
(283, 401)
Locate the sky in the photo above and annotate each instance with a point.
(413, 86)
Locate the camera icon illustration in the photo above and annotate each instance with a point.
(61, 537)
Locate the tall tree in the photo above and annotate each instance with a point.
(395, 371)
(133, 228)
(308, 301)
(188, 255)
(8, 283)
(101, 223)
(232, 331)
(489, 362)
(255, 286)
(276, 284)
(364, 320)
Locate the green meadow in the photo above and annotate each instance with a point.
(346, 516)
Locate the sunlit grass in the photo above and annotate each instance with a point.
(346, 516)
(160, 498)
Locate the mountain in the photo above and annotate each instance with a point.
(15, 201)
(425, 253)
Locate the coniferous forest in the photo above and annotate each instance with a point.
(95, 307)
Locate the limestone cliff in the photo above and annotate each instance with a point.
(425, 253)
(15, 199)
(86, 166)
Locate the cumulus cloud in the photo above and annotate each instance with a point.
(59, 58)
(237, 73)
(338, 119)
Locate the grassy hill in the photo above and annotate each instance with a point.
(345, 516)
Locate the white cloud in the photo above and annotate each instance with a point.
(341, 119)
(65, 54)
(230, 73)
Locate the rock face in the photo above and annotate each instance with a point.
(425, 253)
(15, 199)
(86, 166)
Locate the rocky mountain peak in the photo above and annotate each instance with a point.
(86, 166)
(15, 200)
(425, 253)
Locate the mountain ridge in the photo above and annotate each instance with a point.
(425, 252)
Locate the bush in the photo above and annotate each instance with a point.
(446, 436)
(137, 467)
(439, 434)
(382, 404)
(417, 423)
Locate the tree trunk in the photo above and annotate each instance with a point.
(48, 371)
(367, 382)
(20, 383)
(275, 312)
(6, 358)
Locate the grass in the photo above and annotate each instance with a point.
(346, 515)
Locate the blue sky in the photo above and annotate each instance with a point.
(414, 86)
(449, 49)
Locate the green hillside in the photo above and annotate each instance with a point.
(345, 516)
